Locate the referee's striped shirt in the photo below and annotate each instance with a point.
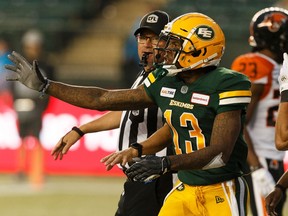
(138, 125)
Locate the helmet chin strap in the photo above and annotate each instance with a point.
(173, 70)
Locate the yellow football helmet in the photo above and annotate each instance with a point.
(196, 41)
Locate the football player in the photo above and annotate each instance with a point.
(204, 109)
(269, 40)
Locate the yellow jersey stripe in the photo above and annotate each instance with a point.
(151, 78)
(238, 93)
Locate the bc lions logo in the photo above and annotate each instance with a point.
(273, 21)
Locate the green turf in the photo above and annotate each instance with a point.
(60, 196)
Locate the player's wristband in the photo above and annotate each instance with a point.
(284, 96)
(282, 188)
(44, 89)
(166, 164)
(77, 130)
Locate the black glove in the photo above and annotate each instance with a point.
(148, 168)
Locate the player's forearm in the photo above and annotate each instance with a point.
(98, 98)
(86, 97)
(281, 127)
(283, 181)
(197, 160)
(281, 134)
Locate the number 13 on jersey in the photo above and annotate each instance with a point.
(185, 120)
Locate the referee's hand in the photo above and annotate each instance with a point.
(121, 157)
(64, 144)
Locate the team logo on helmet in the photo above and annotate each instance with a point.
(205, 32)
(273, 21)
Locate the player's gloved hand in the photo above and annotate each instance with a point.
(283, 77)
(148, 168)
(264, 181)
(29, 75)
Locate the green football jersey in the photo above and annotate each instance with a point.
(190, 111)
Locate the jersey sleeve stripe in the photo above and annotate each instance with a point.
(151, 78)
(235, 100)
(229, 94)
(147, 82)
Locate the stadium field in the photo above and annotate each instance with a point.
(62, 196)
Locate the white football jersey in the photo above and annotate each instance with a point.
(263, 70)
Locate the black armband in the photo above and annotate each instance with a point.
(77, 130)
(284, 96)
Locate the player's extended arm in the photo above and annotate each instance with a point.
(156, 142)
(86, 97)
(276, 195)
(281, 134)
(108, 121)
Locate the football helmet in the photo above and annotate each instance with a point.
(194, 39)
(269, 30)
